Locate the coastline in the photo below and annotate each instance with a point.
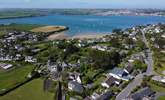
(89, 36)
(15, 17)
(62, 35)
(58, 36)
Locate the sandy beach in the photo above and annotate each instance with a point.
(88, 36)
(58, 36)
(61, 36)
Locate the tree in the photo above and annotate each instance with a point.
(117, 30)
(139, 65)
(115, 42)
(104, 60)
(141, 45)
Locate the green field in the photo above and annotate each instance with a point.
(159, 62)
(26, 27)
(12, 78)
(30, 91)
(161, 98)
(156, 87)
(18, 27)
(17, 13)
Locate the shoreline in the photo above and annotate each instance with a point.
(58, 36)
(16, 17)
(62, 35)
(89, 36)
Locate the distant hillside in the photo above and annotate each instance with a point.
(18, 13)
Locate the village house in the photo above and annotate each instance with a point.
(75, 86)
(128, 68)
(120, 74)
(106, 96)
(163, 35)
(134, 57)
(159, 79)
(75, 77)
(30, 59)
(110, 81)
(87, 98)
(95, 96)
(102, 48)
(143, 94)
(103, 96)
(5, 66)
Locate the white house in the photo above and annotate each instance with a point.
(6, 66)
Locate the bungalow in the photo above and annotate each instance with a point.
(5, 66)
(143, 93)
(119, 73)
(110, 81)
(75, 86)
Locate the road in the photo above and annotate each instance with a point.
(159, 94)
(150, 68)
(139, 78)
(126, 91)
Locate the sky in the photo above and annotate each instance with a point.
(158, 4)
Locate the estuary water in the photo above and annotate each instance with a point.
(88, 24)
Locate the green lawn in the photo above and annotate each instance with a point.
(30, 91)
(26, 27)
(159, 61)
(156, 87)
(10, 79)
(161, 98)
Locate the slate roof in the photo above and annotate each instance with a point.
(76, 86)
(117, 71)
(129, 68)
(106, 96)
(146, 92)
(111, 80)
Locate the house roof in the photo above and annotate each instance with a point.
(110, 80)
(87, 98)
(106, 96)
(129, 68)
(117, 71)
(76, 86)
(142, 93)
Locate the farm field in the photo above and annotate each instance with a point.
(49, 29)
(12, 78)
(30, 91)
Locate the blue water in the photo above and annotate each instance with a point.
(80, 24)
